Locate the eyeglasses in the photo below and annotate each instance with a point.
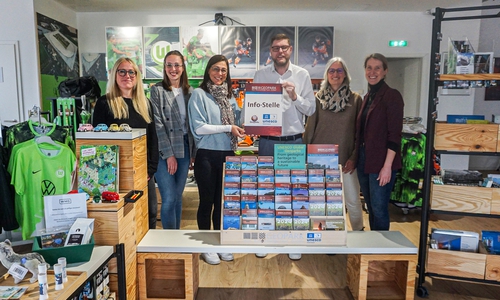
(339, 71)
(123, 72)
(219, 70)
(277, 48)
(176, 66)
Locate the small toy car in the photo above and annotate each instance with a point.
(101, 127)
(85, 127)
(125, 127)
(110, 196)
(114, 127)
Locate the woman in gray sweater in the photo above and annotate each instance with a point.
(334, 122)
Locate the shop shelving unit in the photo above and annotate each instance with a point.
(453, 197)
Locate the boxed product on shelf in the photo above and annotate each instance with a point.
(462, 119)
(491, 241)
(456, 240)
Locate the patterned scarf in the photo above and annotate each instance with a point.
(221, 95)
(334, 101)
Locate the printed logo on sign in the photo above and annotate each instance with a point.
(313, 237)
(269, 119)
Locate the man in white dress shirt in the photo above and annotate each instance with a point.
(298, 97)
(297, 101)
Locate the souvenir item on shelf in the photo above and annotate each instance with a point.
(29, 261)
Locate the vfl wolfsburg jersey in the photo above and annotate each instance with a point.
(39, 170)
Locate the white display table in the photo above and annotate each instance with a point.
(168, 262)
(202, 241)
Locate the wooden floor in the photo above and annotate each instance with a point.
(321, 276)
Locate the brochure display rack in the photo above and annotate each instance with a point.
(463, 139)
(267, 206)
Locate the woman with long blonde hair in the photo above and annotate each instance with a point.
(126, 102)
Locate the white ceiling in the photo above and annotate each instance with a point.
(261, 5)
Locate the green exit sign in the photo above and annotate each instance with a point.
(401, 43)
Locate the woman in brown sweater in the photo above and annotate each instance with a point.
(334, 122)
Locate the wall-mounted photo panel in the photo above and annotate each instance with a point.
(58, 53)
(94, 64)
(198, 45)
(158, 41)
(124, 42)
(314, 49)
(266, 34)
(238, 45)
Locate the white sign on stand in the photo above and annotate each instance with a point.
(63, 210)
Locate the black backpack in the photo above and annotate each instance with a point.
(85, 85)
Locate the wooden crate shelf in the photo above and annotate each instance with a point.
(467, 199)
(467, 137)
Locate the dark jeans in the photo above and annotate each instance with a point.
(208, 170)
(152, 203)
(376, 196)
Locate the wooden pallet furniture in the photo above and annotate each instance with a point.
(381, 265)
(122, 222)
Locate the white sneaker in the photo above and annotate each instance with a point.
(226, 256)
(211, 258)
(261, 255)
(295, 256)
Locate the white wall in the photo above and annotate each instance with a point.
(18, 23)
(356, 33)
